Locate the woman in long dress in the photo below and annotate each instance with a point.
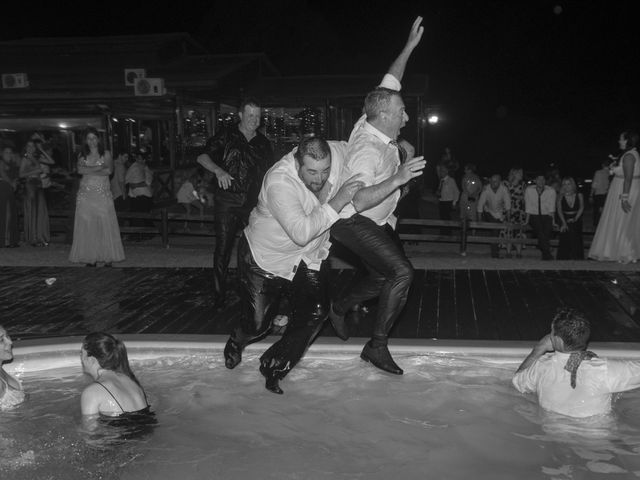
(36, 214)
(617, 236)
(96, 235)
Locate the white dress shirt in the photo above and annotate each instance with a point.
(289, 224)
(596, 380)
(371, 156)
(495, 203)
(546, 201)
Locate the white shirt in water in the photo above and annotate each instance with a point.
(596, 380)
(11, 396)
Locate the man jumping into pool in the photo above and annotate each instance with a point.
(283, 248)
(368, 224)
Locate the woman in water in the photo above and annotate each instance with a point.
(11, 393)
(115, 391)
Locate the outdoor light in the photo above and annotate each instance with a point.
(62, 125)
(432, 119)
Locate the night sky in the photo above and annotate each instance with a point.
(517, 81)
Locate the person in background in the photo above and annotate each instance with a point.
(118, 184)
(115, 390)
(96, 234)
(9, 234)
(138, 180)
(471, 190)
(494, 206)
(36, 213)
(190, 195)
(617, 238)
(540, 208)
(599, 189)
(570, 207)
(238, 157)
(11, 393)
(569, 379)
(448, 194)
(517, 215)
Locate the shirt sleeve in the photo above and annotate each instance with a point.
(390, 82)
(286, 207)
(622, 375)
(526, 381)
(482, 201)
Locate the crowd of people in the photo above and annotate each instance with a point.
(549, 203)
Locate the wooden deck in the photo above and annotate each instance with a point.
(443, 304)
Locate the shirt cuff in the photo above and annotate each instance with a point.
(331, 213)
(390, 82)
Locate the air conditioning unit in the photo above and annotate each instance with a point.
(150, 87)
(132, 74)
(15, 80)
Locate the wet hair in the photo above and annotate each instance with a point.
(572, 327)
(110, 353)
(251, 101)
(632, 137)
(314, 147)
(378, 101)
(85, 147)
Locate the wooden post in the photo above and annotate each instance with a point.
(164, 226)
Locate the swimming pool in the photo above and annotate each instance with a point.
(452, 415)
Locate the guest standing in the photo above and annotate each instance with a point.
(96, 235)
(118, 186)
(570, 207)
(138, 179)
(239, 158)
(599, 189)
(36, 214)
(493, 206)
(471, 190)
(617, 237)
(517, 215)
(9, 235)
(540, 208)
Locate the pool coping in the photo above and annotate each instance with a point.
(137, 342)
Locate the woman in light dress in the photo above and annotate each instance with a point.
(617, 236)
(11, 393)
(36, 214)
(96, 235)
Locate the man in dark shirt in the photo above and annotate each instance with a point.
(238, 157)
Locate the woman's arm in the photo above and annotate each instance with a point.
(563, 222)
(27, 169)
(628, 162)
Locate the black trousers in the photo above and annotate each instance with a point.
(261, 293)
(231, 214)
(389, 271)
(487, 217)
(542, 226)
(9, 234)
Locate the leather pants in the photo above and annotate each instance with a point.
(230, 216)
(261, 293)
(389, 271)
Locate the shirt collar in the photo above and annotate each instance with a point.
(377, 133)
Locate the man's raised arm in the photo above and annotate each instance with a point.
(397, 67)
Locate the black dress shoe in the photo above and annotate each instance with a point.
(272, 382)
(381, 358)
(338, 324)
(232, 354)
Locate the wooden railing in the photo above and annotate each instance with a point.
(457, 232)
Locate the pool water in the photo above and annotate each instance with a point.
(448, 417)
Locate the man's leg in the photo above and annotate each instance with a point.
(390, 277)
(310, 310)
(493, 247)
(259, 293)
(544, 237)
